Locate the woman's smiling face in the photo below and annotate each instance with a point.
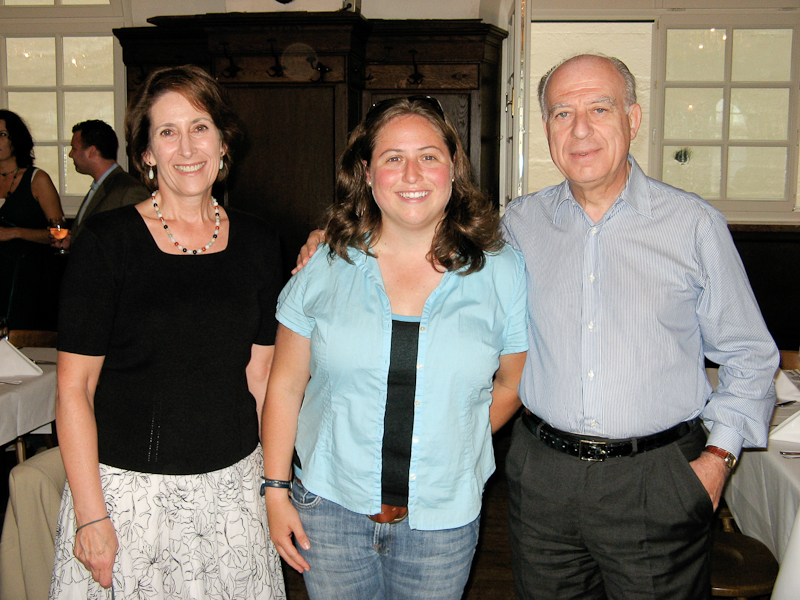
(185, 145)
(410, 173)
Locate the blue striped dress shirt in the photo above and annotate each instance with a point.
(623, 311)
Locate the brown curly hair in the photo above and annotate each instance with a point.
(202, 91)
(470, 226)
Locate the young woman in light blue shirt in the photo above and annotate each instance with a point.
(399, 351)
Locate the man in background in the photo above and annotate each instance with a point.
(94, 153)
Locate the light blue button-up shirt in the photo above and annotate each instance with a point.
(624, 310)
(467, 323)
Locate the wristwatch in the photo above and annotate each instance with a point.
(730, 459)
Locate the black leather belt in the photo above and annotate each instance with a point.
(597, 450)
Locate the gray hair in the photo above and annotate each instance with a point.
(621, 67)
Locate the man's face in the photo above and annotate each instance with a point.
(587, 127)
(78, 154)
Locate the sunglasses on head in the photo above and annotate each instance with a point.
(429, 100)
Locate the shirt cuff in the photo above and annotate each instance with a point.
(726, 438)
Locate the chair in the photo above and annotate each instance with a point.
(790, 359)
(741, 566)
(33, 339)
(27, 544)
(22, 338)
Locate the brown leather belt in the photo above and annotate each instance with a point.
(598, 450)
(390, 514)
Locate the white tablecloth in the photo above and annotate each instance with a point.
(764, 495)
(30, 405)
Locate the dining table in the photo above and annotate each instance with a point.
(29, 405)
(763, 495)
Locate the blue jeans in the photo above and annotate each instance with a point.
(353, 558)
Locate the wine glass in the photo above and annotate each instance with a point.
(58, 229)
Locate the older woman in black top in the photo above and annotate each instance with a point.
(167, 341)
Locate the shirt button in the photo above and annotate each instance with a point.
(415, 439)
(591, 374)
(593, 230)
(591, 278)
(416, 402)
(422, 328)
(591, 326)
(412, 477)
(593, 423)
(419, 366)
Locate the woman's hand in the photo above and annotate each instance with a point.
(315, 238)
(96, 547)
(284, 521)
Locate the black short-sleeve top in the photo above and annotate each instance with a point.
(176, 333)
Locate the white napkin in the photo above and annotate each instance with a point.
(785, 388)
(788, 431)
(14, 363)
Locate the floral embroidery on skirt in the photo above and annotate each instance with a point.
(193, 537)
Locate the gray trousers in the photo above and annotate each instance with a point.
(627, 528)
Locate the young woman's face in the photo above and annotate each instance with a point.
(411, 174)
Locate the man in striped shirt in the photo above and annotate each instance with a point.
(632, 283)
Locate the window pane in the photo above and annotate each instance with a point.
(693, 168)
(47, 161)
(762, 55)
(88, 61)
(84, 1)
(39, 110)
(31, 61)
(80, 106)
(30, 2)
(757, 173)
(693, 113)
(696, 54)
(75, 183)
(759, 114)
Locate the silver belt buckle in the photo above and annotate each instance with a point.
(588, 451)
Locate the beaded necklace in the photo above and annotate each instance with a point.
(174, 241)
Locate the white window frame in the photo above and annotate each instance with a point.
(69, 21)
(736, 211)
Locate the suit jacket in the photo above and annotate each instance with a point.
(118, 189)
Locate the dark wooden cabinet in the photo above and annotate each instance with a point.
(300, 82)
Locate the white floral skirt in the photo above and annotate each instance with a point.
(189, 537)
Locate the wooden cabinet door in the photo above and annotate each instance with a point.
(285, 172)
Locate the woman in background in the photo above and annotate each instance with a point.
(400, 349)
(29, 271)
(168, 326)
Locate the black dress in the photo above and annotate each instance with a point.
(30, 273)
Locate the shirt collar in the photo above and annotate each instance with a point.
(96, 184)
(636, 193)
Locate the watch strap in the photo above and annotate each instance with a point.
(729, 458)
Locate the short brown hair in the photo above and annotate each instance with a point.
(201, 90)
(470, 224)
